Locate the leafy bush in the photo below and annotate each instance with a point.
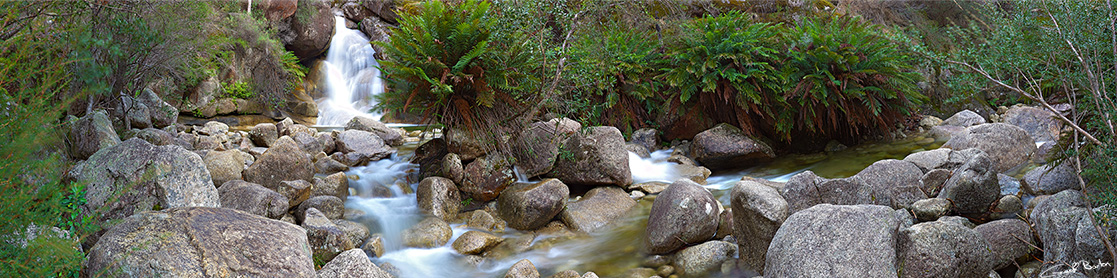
(238, 89)
(447, 64)
(845, 79)
(614, 76)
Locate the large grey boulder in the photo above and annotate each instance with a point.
(389, 135)
(308, 36)
(683, 214)
(1040, 124)
(485, 177)
(202, 242)
(973, 187)
(893, 183)
(1051, 179)
(725, 146)
(1008, 240)
(224, 166)
(964, 118)
(943, 249)
(758, 212)
(537, 147)
(352, 263)
(599, 207)
(835, 241)
(360, 147)
(1065, 228)
(529, 206)
(1007, 145)
(439, 197)
(326, 238)
(704, 259)
(598, 157)
(136, 176)
(253, 198)
(941, 159)
(90, 134)
(284, 161)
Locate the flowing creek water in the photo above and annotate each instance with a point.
(351, 77)
(384, 192)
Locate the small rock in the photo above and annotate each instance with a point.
(336, 185)
(930, 209)
(439, 197)
(647, 138)
(263, 134)
(1010, 204)
(374, 246)
(329, 206)
(225, 166)
(964, 118)
(326, 239)
(352, 263)
(599, 207)
(253, 198)
(725, 146)
(356, 232)
(475, 242)
(296, 191)
(522, 269)
(429, 233)
(704, 259)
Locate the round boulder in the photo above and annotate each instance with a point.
(725, 146)
(352, 263)
(683, 214)
(253, 198)
(439, 197)
(430, 233)
(599, 158)
(284, 161)
(1009, 146)
(973, 187)
(528, 206)
(704, 259)
(943, 249)
(90, 134)
(475, 242)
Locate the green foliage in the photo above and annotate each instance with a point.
(613, 73)
(34, 68)
(238, 89)
(448, 64)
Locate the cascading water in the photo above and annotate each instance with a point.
(350, 78)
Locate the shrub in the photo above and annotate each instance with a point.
(447, 64)
(613, 72)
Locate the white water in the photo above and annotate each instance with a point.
(654, 168)
(350, 78)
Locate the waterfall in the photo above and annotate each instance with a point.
(350, 78)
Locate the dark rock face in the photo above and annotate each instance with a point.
(154, 176)
(1048, 179)
(284, 161)
(198, 242)
(943, 249)
(598, 158)
(758, 212)
(529, 206)
(835, 241)
(537, 147)
(439, 197)
(599, 207)
(308, 36)
(486, 177)
(725, 146)
(646, 137)
(973, 187)
(90, 134)
(890, 182)
(253, 198)
(1007, 145)
(685, 213)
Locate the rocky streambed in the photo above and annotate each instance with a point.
(367, 200)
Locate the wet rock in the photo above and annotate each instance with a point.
(307, 37)
(598, 158)
(685, 213)
(522, 269)
(1009, 185)
(640, 272)
(389, 135)
(758, 212)
(528, 206)
(1008, 240)
(326, 238)
(228, 165)
(374, 246)
(889, 182)
(364, 146)
(253, 198)
(296, 191)
(930, 209)
(336, 185)
(439, 197)
(1007, 145)
(964, 118)
(973, 187)
(329, 206)
(284, 161)
(934, 180)
(486, 177)
(352, 263)
(698, 174)
(725, 146)
(186, 242)
(638, 150)
(430, 233)
(263, 134)
(835, 241)
(704, 259)
(654, 187)
(356, 232)
(1048, 179)
(136, 176)
(647, 138)
(480, 220)
(1066, 230)
(599, 207)
(943, 249)
(90, 134)
(475, 242)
